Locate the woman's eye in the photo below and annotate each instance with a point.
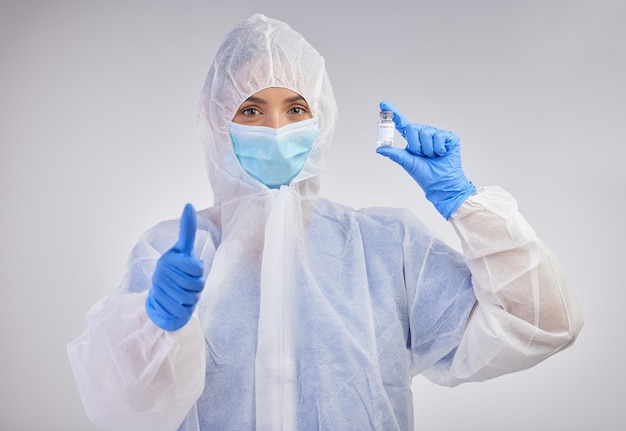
(249, 112)
(297, 110)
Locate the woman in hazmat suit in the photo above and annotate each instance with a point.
(277, 309)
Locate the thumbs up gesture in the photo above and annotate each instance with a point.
(178, 279)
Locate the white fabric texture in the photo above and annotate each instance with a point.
(316, 315)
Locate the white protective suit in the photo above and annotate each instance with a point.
(315, 315)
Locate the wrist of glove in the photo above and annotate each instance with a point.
(432, 157)
(447, 201)
(178, 280)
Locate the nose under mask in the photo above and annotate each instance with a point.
(273, 156)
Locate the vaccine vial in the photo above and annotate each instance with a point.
(386, 129)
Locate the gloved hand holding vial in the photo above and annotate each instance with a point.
(432, 157)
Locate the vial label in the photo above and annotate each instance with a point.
(386, 131)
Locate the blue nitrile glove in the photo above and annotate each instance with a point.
(433, 158)
(177, 280)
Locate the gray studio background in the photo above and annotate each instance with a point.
(98, 143)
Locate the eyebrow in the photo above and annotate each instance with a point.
(260, 101)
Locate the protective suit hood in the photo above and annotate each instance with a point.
(259, 53)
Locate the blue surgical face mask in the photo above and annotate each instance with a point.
(273, 156)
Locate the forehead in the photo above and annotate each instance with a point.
(275, 95)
